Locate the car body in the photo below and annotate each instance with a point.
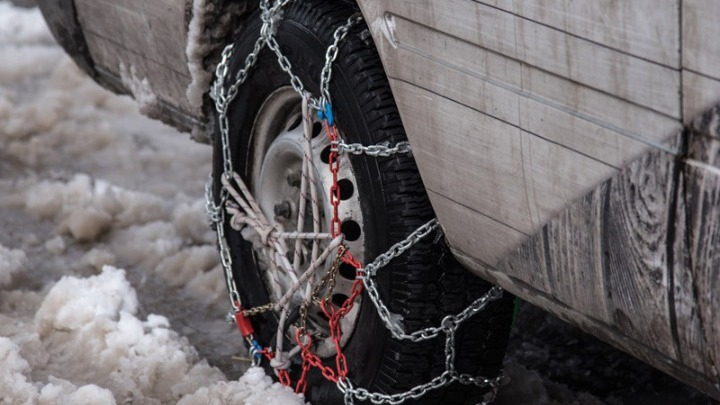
(571, 150)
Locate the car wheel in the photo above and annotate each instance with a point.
(383, 200)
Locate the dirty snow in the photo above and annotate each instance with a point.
(140, 89)
(11, 261)
(88, 187)
(212, 26)
(196, 51)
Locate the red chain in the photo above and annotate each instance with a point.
(282, 374)
(334, 163)
(311, 359)
(331, 313)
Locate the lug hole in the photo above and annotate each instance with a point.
(316, 129)
(347, 271)
(339, 299)
(325, 155)
(346, 189)
(351, 230)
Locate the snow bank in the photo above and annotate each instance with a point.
(24, 62)
(92, 321)
(86, 345)
(18, 389)
(253, 388)
(135, 228)
(45, 130)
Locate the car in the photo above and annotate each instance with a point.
(381, 167)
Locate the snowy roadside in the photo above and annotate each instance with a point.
(88, 186)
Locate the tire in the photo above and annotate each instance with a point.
(425, 283)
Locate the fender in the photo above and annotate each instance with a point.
(61, 18)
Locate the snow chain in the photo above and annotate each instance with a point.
(236, 200)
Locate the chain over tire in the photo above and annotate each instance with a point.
(420, 287)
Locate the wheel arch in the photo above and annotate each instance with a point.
(61, 18)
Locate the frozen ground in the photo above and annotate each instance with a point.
(87, 187)
(110, 291)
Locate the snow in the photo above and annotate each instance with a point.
(196, 51)
(532, 388)
(87, 186)
(212, 26)
(253, 388)
(141, 90)
(85, 344)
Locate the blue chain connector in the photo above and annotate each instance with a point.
(327, 114)
(258, 349)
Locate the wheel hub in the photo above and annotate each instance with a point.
(278, 147)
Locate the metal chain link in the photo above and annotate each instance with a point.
(400, 247)
(259, 309)
(223, 92)
(374, 150)
(212, 211)
(327, 283)
(330, 56)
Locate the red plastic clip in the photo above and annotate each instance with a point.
(243, 323)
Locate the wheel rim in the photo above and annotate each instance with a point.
(275, 168)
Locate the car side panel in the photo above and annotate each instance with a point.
(132, 42)
(551, 137)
